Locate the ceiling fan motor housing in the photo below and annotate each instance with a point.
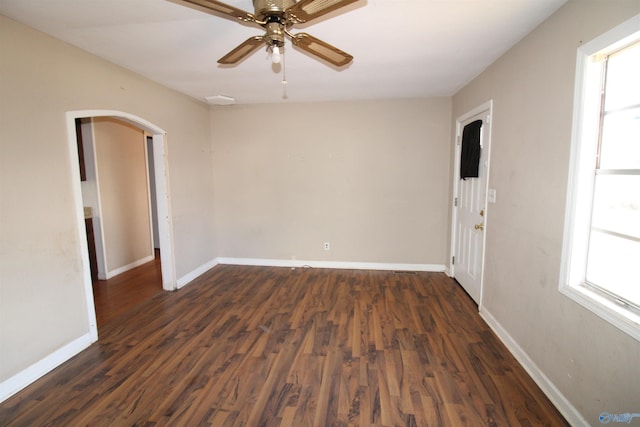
(266, 8)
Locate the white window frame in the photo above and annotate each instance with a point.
(584, 140)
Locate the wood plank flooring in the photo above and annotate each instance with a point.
(125, 291)
(260, 346)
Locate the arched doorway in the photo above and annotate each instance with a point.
(162, 206)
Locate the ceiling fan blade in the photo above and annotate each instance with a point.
(223, 8)
(245, 49)
(321, 49)
(306, 10)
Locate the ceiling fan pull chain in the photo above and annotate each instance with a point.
(284, 75)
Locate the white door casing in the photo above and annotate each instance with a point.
(470, 209)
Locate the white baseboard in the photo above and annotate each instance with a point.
(22, 379)
(187, 278)
(563, 405)
(128, 267)
(331, 264)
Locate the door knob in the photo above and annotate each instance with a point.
(479, 226)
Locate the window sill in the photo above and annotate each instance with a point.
(613, 313)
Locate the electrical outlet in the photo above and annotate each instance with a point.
(327, 246)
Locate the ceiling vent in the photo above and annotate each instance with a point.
(220, 100)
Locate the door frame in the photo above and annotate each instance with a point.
(488, 108)
(163, 198)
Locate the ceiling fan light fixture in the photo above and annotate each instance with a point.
(274, 38)
(275, 34)
(275, 54)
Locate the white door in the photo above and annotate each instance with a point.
(470, 209)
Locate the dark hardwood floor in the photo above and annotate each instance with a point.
(127, 290)
(259, 346)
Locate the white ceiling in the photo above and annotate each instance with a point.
(402, 48)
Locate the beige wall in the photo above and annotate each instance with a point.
(124, 193)
(369, 177)
(594, 365)
(42, 297)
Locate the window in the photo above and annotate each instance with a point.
(614, 244)
(601, 249)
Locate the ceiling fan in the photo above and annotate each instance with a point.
(277, 17)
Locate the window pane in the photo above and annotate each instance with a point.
(623, 69)
(620, 145)
(613, 265)
(616, 204)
